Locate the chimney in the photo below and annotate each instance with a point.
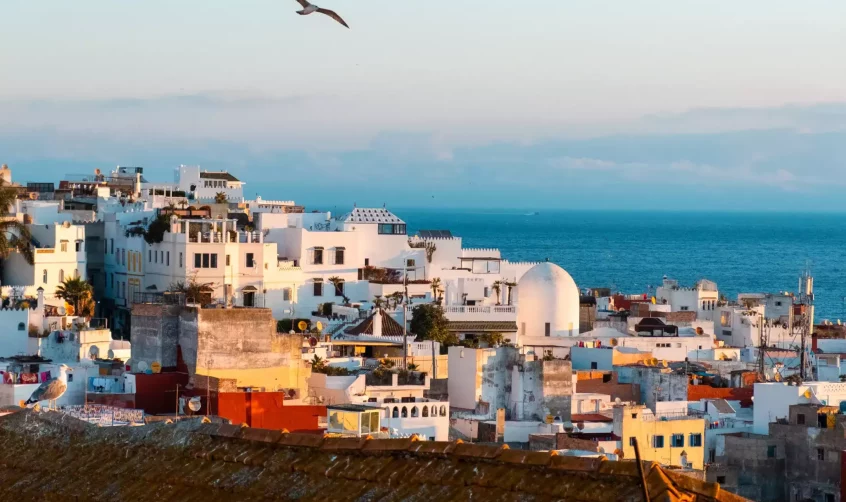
(377, 323)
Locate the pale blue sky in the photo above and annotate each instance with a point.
(415, 78)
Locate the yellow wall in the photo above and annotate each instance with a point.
(645, 430)
(282, 377)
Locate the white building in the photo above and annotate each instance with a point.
(59, 250)
(701, 298)
(773, 399)
(403, 409)
(205, 185)
(547, 305)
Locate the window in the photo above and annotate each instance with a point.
(410, 264)
(594, 365)
(214, 260)
(684, 307)
(198, 260)
(21, 326)
(78, 246)
(156, 256)
(395, 413)
(44, 277)
(339, 256)
(339, 288)
(150, 256)
(286, 295)
(367, 262)
(63, 246)
(390, 228)
(168, 259)
(414, 412)
(317, 256)
(657, 441)
(677, 441)
(771, 451)
(547, 329)
(161, 256)
(61, 276)
(800, 419)
(404, 412)
(820, 454)
(829, 497)
(227, 260)
(123, 256)
(634, 416)
(606, 378)
(106, 247)
(113, 246)
(721, 480)
(206, 260)
(251, 262)
(632, 441)
(318, 287)
(180, 259)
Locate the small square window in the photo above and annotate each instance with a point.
(677, 441)
(721, 480)
(820, 454)
(771, 451)
(657, 441)
(695, 440)
(800, 419)
(632, 441)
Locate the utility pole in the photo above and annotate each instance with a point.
(405, 316)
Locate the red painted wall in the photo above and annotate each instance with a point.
(156, 393)
(697, 392)
(267, 410)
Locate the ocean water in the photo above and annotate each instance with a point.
(629, 251)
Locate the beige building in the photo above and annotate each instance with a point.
(674, 438)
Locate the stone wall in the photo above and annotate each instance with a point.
(753, 467)
(155, 334)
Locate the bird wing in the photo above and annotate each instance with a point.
(333, 15)
(304, 3)
(51, 389)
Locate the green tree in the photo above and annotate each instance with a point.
(429, 322)
(14, 235)
(338, 283)
(497, 288)
(220, 198)
(492, 339)
(378, 302)
(77, 293)
(436, 285)
(510, 285)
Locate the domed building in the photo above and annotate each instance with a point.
(547, 303)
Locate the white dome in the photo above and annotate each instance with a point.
(546, 294)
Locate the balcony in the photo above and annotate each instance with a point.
(480, 312)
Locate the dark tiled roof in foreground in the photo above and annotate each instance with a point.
(52, 454)
(481, 326)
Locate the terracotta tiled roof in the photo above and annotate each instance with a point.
(590, 417)
(389, 326)
(51, 454)
(481, 326)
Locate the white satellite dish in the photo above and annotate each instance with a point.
(62, 310)
(618, 400)
(194, 404)
(142, 366)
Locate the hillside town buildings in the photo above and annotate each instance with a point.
(310, 329)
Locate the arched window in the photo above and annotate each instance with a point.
(425, 412)
(404, 412)
(44, 278)
(434, 411)
(443, 411)
(21, 326)
(61, 276)
(414, 412)
(395, 414)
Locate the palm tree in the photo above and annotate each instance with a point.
(510, 285)
(378, 302)
(397, 297)
(14, 235)
(77, 293)
(338, 283)
(220, 198)
(497, 288)
(436, 285)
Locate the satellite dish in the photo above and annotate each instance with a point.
(62, 310)
(312, 341)
(614, 342)
(194, 404)
(143, 366)
(319, 326)
(618, 401)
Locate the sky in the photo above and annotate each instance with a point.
(698, 104)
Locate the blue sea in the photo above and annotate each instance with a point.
(629, 251)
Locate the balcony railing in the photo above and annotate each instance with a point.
(480, 309)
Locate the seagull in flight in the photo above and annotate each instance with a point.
(310, 8)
